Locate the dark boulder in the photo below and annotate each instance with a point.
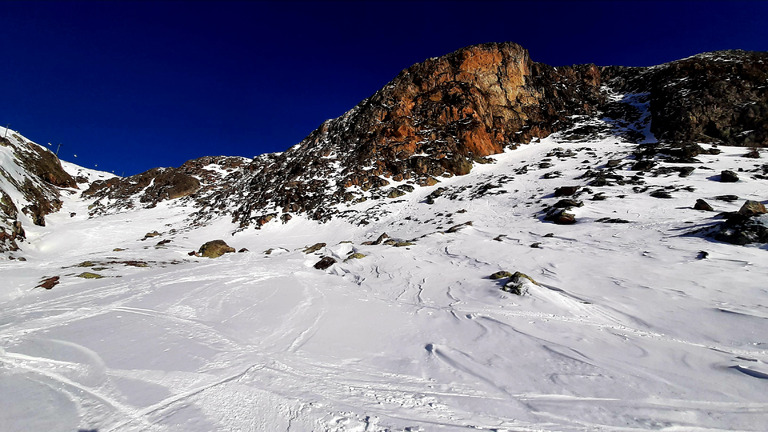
(702, 205)
(325, 263)
(728, 176)
(743, 230)
(566, 191)
(560, 217)
(711, 97)
(567, 203)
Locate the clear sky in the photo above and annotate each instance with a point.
(129, 86)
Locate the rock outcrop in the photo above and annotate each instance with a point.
(716, 97)
(30, 179)
(193, 179)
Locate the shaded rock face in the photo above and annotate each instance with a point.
(433, 120)
(741, 230)
(713, 97)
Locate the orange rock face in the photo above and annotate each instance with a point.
(433, 120)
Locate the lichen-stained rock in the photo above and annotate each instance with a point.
(500, 275)
(215, 249)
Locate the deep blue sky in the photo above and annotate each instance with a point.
(129, 86)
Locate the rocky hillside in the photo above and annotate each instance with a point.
(31, 182)
(438, 118)
(718, 97)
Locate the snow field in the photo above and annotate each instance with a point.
(626, 330)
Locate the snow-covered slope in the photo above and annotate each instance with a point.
(32, 180)
(628, 327)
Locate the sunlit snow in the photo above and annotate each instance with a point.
(626, 330)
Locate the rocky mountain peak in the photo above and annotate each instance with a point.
(434, 120)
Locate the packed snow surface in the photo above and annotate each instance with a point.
(626, 329)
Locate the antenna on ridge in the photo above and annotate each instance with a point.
(57, 150)
(6, 131)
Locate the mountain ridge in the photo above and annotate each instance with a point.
(438, 118)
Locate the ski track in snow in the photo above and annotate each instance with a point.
(626, 330)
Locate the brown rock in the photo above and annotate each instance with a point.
(314, 248)
(151, 234)
(378, 241)
(215, 249)
(752, 208)
(49, 283)
(702, 205)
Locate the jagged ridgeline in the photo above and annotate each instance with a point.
(438, 118)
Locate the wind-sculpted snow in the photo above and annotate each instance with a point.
(628, 326)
